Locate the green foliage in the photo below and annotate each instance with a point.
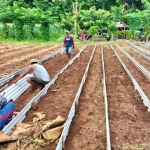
(117, 13)
(45, 31)
(55, 32)
(67, 22)
(24, 21)
(93, 30)
(98, 18)
(4, 31)
(134, 20)
(47, 19)
(18, 25)
(43, 4)
(112, 28)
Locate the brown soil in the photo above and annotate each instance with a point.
(129, 123)
(13, 60)
(87, 131)
(59, 102)
(53, 66)
(129, 118)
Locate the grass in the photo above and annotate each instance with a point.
(128, 146)
(95, 117)
(98, 93)
(130, 87)
(54, 41)
(138, 97)
(35, 41)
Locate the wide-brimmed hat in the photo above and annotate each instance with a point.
(3, 101)
(33, 60)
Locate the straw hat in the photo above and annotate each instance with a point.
(33, 60)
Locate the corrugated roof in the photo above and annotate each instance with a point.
(16, 89)
(121, 24)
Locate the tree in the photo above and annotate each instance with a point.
(93, 30)
(99, 18)
(146, 19)
(135, 21)
(112, 28)
(117, 13)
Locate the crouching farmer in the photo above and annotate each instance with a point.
(40, 75)
(6, 111)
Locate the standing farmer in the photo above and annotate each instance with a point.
(40, 75)
(82, 35)
(68, 44)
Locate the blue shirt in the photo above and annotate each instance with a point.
(6, 114)
(68, 41)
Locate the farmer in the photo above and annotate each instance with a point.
(40, 76)
(68, 44)
(6, 111)
(82, 35)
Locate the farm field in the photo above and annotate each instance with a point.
(128, 117)
(14, 57)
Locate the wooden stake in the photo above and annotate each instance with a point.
(63, 143)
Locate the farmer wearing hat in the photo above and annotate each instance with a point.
(68, 44)
(40, 76)
(6, 111)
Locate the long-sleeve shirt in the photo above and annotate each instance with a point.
(6, 114)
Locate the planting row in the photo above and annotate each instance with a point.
(128, 117)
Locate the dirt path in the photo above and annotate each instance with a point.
(129, 118)
(87, 130)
